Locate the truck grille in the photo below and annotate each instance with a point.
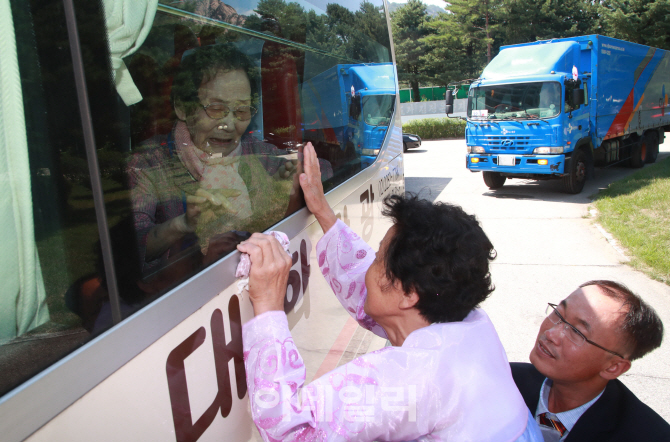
(507, 143)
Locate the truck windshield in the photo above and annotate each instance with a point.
(377, 109)
(511, 101)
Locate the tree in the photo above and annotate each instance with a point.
(641, 21)
(409, 27)
(450, 57)
(362, 31)
(525, 20)
(477, 20)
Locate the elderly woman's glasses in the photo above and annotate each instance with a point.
(217, 111)
(570, 331)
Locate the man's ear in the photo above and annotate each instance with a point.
(616, 368)
(409, 300)
(179, 111)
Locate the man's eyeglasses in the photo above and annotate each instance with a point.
(570, 331)
(217, 111)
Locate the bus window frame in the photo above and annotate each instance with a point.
(88, 366)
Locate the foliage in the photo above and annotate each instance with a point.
(636, 210)
(435, 128)
(431, 10)
(456, 44)
(477, 21)
(525, 20)
(452, 55)
(409, 25)
(641, 21)
(354, 35)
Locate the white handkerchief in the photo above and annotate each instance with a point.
(245, 262)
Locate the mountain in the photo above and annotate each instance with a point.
(219, 11)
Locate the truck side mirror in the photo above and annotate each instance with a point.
(578, 97)
(449, 102)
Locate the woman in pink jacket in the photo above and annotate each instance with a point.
(446, 377)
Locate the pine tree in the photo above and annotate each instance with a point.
(409, 27)
(525, 20)
(640, 21)
(478, 20)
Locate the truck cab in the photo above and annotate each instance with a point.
(527, 114)
(554, 109)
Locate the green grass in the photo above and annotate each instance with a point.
(435, 128)
(636, 211)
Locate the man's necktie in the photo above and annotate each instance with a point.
(552, 423)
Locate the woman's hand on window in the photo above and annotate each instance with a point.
(310, 181)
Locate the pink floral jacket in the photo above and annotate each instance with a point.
(448, 381)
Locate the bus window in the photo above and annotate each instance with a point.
(198, 118)
(225, 109)
(50, 260)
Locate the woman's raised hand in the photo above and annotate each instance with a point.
(268, 276)
(310, 181)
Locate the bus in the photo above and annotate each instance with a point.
(120, 313)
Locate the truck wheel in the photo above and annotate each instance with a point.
(652, 146)
(494, 180)
(638, 154)
(574, 182)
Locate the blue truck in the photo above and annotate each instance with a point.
(350, 106)
(555, 109)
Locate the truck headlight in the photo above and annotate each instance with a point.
(370, 152)
(476, 149)
(548, 150)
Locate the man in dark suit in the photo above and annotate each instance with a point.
(585, 343)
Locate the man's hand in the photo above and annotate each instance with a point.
(310, 181)
(268, 277)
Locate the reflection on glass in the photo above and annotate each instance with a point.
(522, 100)
(349, 29)
(378, 109)
(198, 145)
(209, 182)
(48, 229)
(200, 183)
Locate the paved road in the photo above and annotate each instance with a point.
(546, 247)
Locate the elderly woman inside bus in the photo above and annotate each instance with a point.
(446, 377)
(208, 176)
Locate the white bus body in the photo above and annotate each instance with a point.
(168, 367)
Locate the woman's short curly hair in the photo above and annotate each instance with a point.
(440, 252)
(201, 65)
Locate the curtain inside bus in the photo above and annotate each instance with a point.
(128, 24)
(22, 299)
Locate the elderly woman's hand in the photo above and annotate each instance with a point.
(286, 170)
(310, 181)
(208, 205)
(268, 276)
